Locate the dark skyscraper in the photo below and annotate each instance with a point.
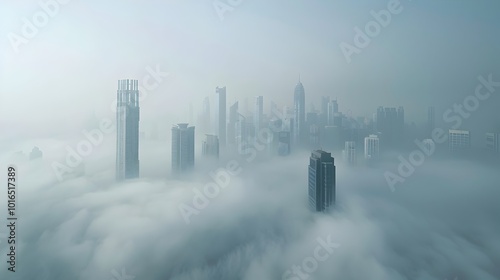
(127, 130)
(182, 148)
(220, 103)
(300, 114)
(322, 180)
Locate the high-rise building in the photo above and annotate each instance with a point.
(322, 180)
(258, 114)
(210, 146)
(182, 148)
(372, 147)
(350, 152)
(127, 130)
(221, 115)
(459, 140)
(493, 142)
(300, 114)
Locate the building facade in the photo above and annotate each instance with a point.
(322, 181)
(127, 130)
(182, 148)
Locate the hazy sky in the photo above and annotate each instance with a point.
(430, 54)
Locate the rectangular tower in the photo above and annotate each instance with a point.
(182, 148)
(322, 180)
(127, 130)
(220, 104)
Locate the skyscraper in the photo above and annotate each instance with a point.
(372, 147)
(322, 180)
(459, 140)
(182, 148)
(127, 130)
(300, 114)
(258, 114)
(210, 146)
(221, 115)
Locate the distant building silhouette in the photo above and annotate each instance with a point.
(231, 125)
(459, 140)
(182, 148)
(220, 111)
(284, 143)
(258, 114)
(390, 122)
(431, 120)
(493, 142)
(372, 147)
(322, 181)
(299, 114)
(350, 152)
(127, 130)
(35, 153)
(210, 146)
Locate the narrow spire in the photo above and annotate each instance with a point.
(299, 77)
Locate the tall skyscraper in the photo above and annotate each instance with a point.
(210, 146)
(459, 140)
(127, 130)
(372, 147)
(221, 115)
(322, 181)
(182, 148)
(350, 152)
(300, 114)
(258, 114)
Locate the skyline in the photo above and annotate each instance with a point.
(249, 140)
(324, 73)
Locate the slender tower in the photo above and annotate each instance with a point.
(221, 115)
(300, 114)
(127, 130)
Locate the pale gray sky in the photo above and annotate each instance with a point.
(430, 54)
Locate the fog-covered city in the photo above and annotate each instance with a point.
(235, 139)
